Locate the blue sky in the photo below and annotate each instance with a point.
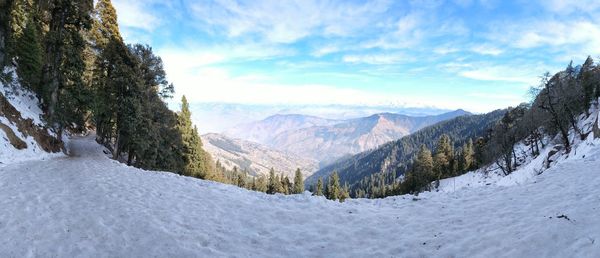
(473, 54)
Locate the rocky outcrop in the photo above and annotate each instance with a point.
(549, 159)
(27, 127)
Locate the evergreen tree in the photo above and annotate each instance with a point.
(272, 186)
(65, 96)
(298, 182)
(286, 185)
(444, 157)
(105, 26)
(333, 189)
(319, 188)
(29, 52)
(261, 184)
(345, 193)
(588, 83)
(467, 156)
(197, 162)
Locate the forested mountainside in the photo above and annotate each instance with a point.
(395, 156)
(559, 106)
(327, 140)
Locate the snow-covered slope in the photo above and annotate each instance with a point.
(90, 206)
(530, 167)
(254, 157)
(22, 132)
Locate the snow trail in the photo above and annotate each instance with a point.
(87, 205)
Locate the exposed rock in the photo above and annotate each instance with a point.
(556, 149)
(13, 138)
(27, 127)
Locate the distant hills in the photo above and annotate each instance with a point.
(327, 140)
(265, 130)
(396, 155)
(256, 158)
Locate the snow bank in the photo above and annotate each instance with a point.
(90, 206)
(22, 99)
(530, 167)
(27, 104)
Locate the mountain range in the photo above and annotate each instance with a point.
(327, 140)
(255, 158)
(396, 155)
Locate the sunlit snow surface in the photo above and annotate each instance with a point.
(90, 206)
(27, 104)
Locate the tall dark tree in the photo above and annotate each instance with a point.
(298, 182)
(319, 187)
(29, 56)
(62, 75)
(4, 28)
(333, 187)
(197, 162)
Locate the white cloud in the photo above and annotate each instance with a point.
(487, 50)
(199, 56)
(288, 21)
(406, 33)
(444, 50)
(135, 14)
(562, 35)
(376, 59)
(569, 6)
(527, 76)
(325, 50)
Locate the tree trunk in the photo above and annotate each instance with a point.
(51, 75)
(117, 148)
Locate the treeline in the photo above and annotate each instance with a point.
(71, 54)
(555, 110)
(425, 168)
(331, 188)
(377, 173)
(272, 184)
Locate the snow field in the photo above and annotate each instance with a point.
(90, 206)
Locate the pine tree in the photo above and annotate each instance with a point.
(241, 180)
(588, 83)
(105, 26)
(319, 189)
(271, 184)
(345, 193)
(286, 185)
(65, 98)
(29, 52)
(298, 182)
(197, 162)
(444, 157)
(467, 156)
(261, 184)
(333, 189)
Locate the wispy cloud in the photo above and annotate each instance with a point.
(136, 14)
(377, 59)
(289, 21)
(502, 73)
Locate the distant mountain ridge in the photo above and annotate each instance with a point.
(327, 140)
(256, 158)
(395, 155)
(262, 131)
